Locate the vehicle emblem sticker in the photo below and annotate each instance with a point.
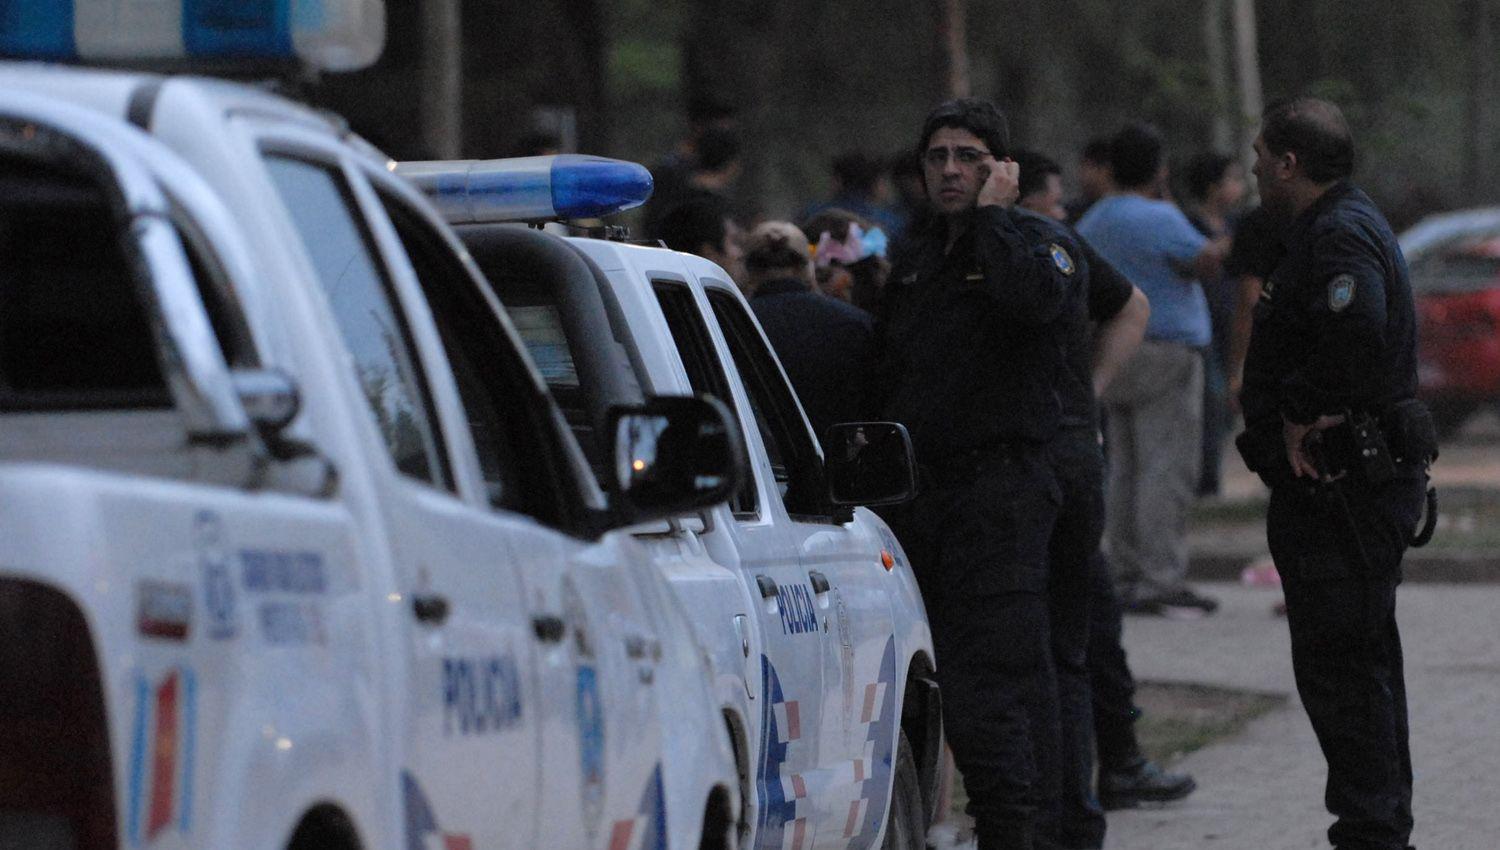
(218, 580)
(1340, 292)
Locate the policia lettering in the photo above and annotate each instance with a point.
(798, 615)
(1330, 380)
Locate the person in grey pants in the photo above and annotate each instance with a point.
(1154, 407)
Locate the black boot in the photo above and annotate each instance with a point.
(1143, 781)
(1004, 834)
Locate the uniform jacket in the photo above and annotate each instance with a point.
(1335, 328)
(970, 341)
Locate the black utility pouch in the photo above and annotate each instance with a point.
(1412, 432)
(1367, 450)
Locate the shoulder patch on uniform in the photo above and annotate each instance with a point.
(1340, 292)
(1061, 259)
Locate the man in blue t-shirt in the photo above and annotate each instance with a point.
(1154, 409)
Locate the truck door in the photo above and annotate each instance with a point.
(473, 714)
(597, 648)
(861, 705)
(791, 778)
(127, 465)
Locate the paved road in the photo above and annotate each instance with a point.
(1263, 789)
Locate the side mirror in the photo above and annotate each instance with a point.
(270, 398)
(673, 455)
(869, 463)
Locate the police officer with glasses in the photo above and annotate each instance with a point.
(1333, 426)
(971, 345)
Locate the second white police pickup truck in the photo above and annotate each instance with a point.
(821, 649)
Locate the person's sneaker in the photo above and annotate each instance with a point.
(1178, 605)
(1184, 604)
(1146, 782)
(1143, 607)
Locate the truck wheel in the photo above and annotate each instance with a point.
(906, 827)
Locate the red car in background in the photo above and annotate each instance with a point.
(1455, 273)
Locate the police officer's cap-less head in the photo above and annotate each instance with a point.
(1304, 145)
(960, 142)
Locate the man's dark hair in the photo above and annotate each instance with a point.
(692, 224)
(1099, 150)
(974, 114)
(1135, 155)
(1035, 168)
(705, 109)
(717, 148)
(858, 172)
(1203, 171)
(1313, 129)
(538, 142)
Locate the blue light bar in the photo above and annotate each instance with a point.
(532, 188)
(331, 35)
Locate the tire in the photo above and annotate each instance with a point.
(906, 822)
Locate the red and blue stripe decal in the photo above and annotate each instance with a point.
(784, 822)
(163, 738)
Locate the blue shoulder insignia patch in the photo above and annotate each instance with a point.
(1340, 292)
(1061, 259)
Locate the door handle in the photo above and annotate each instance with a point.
(819, 582)
(430, 607)
(549, 628)
(767, 586)
(742, 628)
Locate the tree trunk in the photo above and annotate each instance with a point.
(1478, 144)
(442, 80)
(1247, 60)
(953, 37)
(1215, 56)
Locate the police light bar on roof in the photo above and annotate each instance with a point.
(331, 35)
(532, 188)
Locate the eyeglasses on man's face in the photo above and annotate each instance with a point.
(967, 156)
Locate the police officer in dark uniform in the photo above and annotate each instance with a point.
(970, 358)
(1333, 427)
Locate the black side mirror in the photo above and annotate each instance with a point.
(672, 455)
(869, 463)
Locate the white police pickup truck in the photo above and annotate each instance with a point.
(822, 653)
(294, 546)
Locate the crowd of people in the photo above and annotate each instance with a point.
(1068, 371)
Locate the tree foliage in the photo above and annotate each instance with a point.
(1418, 79)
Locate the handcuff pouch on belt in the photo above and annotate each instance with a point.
(1399, 442)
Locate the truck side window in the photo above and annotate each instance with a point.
(514, 459)
(801, 472)
(705, 374)
(364, 307)
(73, 332)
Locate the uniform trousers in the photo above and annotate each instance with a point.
(1078, 465)
(978, 538)
(1340, 564)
